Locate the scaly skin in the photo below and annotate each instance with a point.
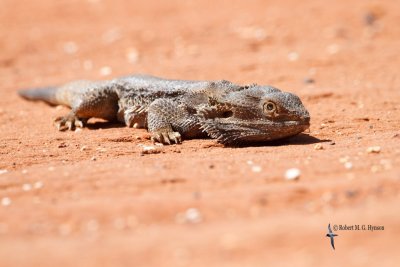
(176, 109)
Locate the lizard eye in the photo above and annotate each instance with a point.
(269, 107)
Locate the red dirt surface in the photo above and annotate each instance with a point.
(90, 198)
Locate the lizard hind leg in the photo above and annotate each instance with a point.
(87, 100)
(133, 118)
(69, 122)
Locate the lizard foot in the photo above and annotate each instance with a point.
(69, 122)
(166, 137)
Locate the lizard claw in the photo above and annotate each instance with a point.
(166, 137)
(68, 122)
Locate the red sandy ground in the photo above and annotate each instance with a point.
(89, 198)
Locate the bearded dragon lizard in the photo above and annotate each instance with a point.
(176, 109)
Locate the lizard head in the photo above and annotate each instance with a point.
(254, 114)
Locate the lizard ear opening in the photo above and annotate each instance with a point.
(227, 114)
(213, 112)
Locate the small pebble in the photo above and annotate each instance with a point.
(105, 71)
(292, 174)
(150, 150)
(256, 168)
(84, 148)
(38, 185)
(308, 80)
(369, 19)
(5, 201)
(351, 193)
(192, 215)
(26, 187)
(318, 147)
(132, 55)
(373, 15)
(374, 149)
(3, 171)
(93, 158)
(348, 165)
(62, 145)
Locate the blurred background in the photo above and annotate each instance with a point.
(265, 41)
(92, 200)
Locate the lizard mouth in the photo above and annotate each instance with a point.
(302, 122)
(289, 128)
(253, 131)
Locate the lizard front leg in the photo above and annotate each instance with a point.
(168, 121)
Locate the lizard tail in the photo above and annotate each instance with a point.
(47, 94)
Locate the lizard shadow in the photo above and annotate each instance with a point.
(96, 125)
(300, 139)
